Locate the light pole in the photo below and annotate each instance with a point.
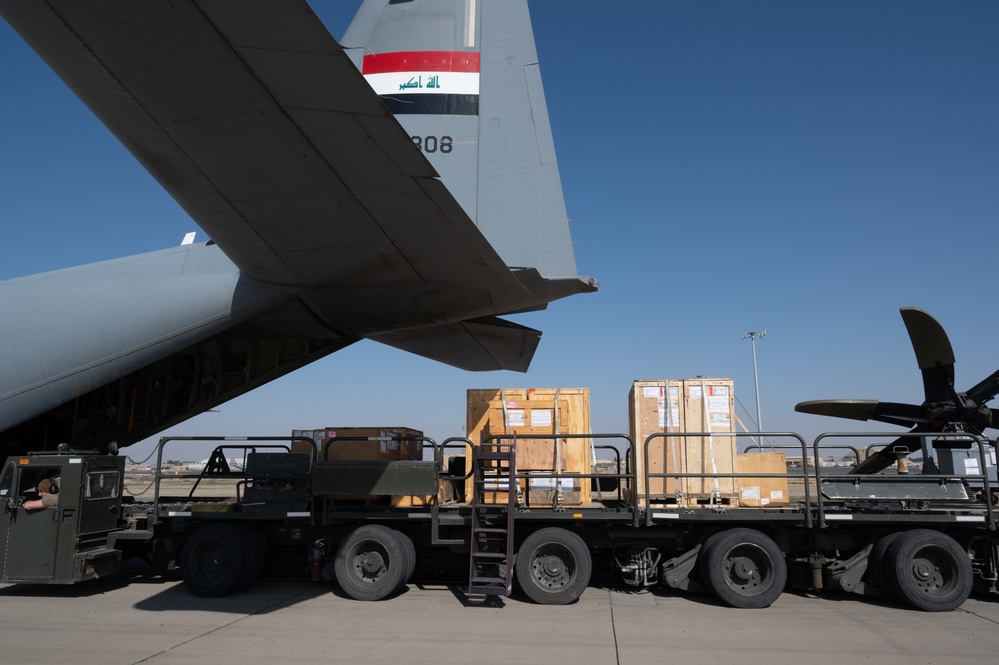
(753, 336)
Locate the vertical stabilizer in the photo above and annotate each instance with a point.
(462, 77)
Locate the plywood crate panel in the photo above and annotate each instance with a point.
(654, 407)
(536, 411)
(709, 406)
(762, 491)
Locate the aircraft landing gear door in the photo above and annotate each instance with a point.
(101, 494)
(28, 538)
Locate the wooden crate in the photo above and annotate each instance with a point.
(444, 494)
(684, 405)
(762, 491)
(654, 407)
(709, 406)
(536, 411)
(376, 447)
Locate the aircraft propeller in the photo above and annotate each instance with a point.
(944, 409)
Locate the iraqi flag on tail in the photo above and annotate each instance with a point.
(425, 82)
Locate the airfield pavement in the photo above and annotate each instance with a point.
(157, 621)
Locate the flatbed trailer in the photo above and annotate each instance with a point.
(923, 540)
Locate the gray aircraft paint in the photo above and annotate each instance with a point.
(328, 224)
(502, 169)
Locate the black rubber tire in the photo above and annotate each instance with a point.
(370, 563)
(553, 566)
(702, 559)
(745, 568)
(214, 560)
(409, 551)
(930, 571)
(253, 545)
(877, 564)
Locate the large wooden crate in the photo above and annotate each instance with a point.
(537, 411)
(762, 491)
(684, 405)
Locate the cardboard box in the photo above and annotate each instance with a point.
(762, 491)
(536, 411)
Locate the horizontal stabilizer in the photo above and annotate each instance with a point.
(478, 345)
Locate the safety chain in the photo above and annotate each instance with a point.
(132, 461)
(144, 489)
(129, 460)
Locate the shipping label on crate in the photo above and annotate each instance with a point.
(564, 484)
(515, 418)
(669, 418)
(541, 418)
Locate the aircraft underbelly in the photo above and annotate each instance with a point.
(123, 314)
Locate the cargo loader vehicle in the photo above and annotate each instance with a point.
(262, 506)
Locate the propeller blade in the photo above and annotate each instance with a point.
(985, 390)
(892, 413)
(855, 409)
(928, 338)
(934, 354)
(885, 457)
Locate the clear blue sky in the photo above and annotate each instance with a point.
(804, 167)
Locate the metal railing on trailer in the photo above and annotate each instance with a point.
(438, 458)
(982, 443)
(651, 515)
(815, 511)
(246, 444)
(557, 476)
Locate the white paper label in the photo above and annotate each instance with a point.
(541, 418)
(515, 418)
(565, 484)
(776, 495)
(718, 403)
(750, 493)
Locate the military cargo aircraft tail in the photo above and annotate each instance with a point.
(462, 77)
(403, 190)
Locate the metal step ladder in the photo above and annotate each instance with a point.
(490, 568)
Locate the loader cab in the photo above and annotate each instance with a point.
(66, 542)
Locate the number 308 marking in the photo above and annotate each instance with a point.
(429, 144)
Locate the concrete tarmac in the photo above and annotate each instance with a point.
(157, 621)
